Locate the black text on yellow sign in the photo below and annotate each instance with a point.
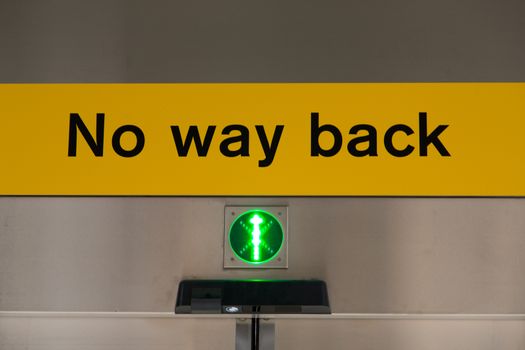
(363, 140)
(429, 139)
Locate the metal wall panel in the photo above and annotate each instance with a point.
(58, 333)
(376, 254)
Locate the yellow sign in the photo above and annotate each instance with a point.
(402, 139)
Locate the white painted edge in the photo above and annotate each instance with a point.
(334, 316)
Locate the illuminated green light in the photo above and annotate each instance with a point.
(256, 236)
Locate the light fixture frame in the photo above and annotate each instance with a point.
(231, 261)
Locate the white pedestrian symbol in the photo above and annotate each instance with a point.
(256, 235)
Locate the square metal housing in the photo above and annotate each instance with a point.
(232, 261)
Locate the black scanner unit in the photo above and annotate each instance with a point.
(252, 297)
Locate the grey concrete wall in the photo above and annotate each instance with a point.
(378, 255)
(236, 40)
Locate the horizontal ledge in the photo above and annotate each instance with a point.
(334, 316)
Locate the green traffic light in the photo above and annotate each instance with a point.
(256, 236)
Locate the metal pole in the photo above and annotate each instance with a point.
(254, 333)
